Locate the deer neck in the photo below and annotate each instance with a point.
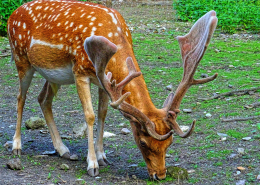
(139, 97)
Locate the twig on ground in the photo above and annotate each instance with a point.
(240, 119)
(62, 179)
(254, 79)
(7, 55)
(231, 93)
(252, 105)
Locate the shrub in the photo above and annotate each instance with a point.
(232, 14)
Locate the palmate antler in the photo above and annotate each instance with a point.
(193, 46)
(100, 50)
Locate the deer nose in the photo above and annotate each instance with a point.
(156, 177)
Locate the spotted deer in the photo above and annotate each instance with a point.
(69, 42)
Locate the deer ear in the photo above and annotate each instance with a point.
(99, 48)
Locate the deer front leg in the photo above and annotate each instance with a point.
(102, 112)
(83, 88)
(25, 82)
(45, 100)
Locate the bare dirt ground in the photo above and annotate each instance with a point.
(127, 163)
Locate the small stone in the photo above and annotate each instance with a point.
(44, 131)
(1, 133)
(133, 166)
(208, 115)
(40, 156)
(80, 130)
(203, 75)
(187, 110)
(169, 87)
(49, 152)
(231, 66)
(232, 156)
(35, 123)
(66, 137)
(240, 168)
(247, 138)
(64, 167)
(230, 86)
(134, 177)
(125, 131)
(74, 157)
(258, 177)
(98, 178)
(184, 128)
(108, 134)
(238, 173)
(14, 164)
(168, 156)
(217, 50)
(8, 144)
(241, 182)
(241, 150)
(191, 171)
(122, 124)
(223, 138)
(222, 135)
(79, 181)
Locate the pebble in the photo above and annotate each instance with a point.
(98, 178)
(14, 164)
(241, 182)
(108, 134)
(169, 87)
(125, 131)
(208, 115)
(184, 128)
(49, 152)
(35, 123)
(134, 177)
(238, 173)
(79, 181)
(258, 177)
(230, 66)
(187, 110)
(203, 75)
(64, 167)
(80, 130)
(66, 137)
(247, 138)
(74, 157)
(133, 165)
(232, 156)
(8, 144)
(168, 156)
(122, 124)
(1, 133)
(240, 168)
(241, 150)
(222, 135)
(191, 171)
(230, 86)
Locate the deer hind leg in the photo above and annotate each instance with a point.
(45, 100)
(83, 88)
(25, 72)
(102, 112)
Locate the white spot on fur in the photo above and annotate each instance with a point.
(126, 33)
(110, 34)
(58, 24)
(19, 23)
(82, 15)
(66, 35)
(89, 16)
(93, 18)
(91, 23)
(85, 29)
(93, 31)
(80, 26)
(71, 24)
(100, 24)
(66, 22)
(24, 26)
(13, 31)
(113, 18)
(116, 34)
(20, 36)
(61, 38)
(33, 41)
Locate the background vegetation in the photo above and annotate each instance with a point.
(233, 14)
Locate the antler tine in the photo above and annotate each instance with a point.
(100, 50)
(193, 46)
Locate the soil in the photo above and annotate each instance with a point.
(121, 150)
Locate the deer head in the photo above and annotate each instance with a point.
(153, 130)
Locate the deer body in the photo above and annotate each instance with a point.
(49, 36)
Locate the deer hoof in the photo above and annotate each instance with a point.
(102, 162)
(17, 151)
(93, 172)
(66, 155)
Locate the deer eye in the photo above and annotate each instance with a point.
(142, 143)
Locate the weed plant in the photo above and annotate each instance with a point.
(232, 15)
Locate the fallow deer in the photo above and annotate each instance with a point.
(57, 39)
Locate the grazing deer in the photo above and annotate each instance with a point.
(57, 39)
